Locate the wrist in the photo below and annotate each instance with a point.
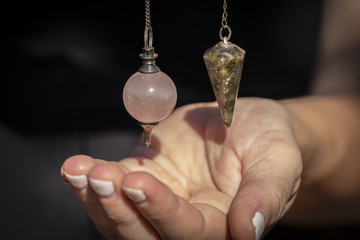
(309, 134)
(325, 130)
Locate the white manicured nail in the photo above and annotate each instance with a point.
(77, 181)
(259, 225)
(102, 187)
(137, 195)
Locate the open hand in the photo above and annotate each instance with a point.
(198, 179)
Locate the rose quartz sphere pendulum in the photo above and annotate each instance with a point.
(149, 98)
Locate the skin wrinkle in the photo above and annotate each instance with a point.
(254, 162)
(208, 159)
(163, 174)
(200, 213)
(292, 196)
(203, 226)
(239, 160)
(123, 167)
(281, 138)
(176, 213)
(207, 152)
(233, 150)
(282, 200)
(195, 189)
(185, 183)
(208, 176)
(190, 182)
(276, 196)
(218, 198)
(205, 223)
(287, 198)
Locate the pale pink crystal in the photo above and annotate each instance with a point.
(149, 97)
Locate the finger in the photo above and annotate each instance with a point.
(265, 193)
(75, 171)
(172, 216)
(105, 179)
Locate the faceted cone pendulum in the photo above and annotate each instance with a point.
(224, 63)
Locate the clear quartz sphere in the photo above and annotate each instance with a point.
(149, 97)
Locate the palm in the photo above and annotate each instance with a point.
(201, 161)
(199, 178)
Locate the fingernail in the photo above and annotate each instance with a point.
(137, 195)
(259, 225)
(102, 187)
(77, 181)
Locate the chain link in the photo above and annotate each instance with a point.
(148, 35)
(224, 15)
(224, 24)
(147, 14)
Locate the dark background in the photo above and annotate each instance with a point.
(67, 64)
(62, 79)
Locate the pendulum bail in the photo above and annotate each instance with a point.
(226, 38)
(148, 56)
(224, 24)
(148, 36)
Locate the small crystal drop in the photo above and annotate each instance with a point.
(224, 63)
(148, 128)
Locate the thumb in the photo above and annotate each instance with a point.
(172, 216)
(265, 194)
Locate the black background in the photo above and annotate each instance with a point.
(66, 65)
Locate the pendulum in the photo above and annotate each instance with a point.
(149, 95)
(224, 63)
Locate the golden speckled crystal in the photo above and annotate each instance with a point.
(224, 63)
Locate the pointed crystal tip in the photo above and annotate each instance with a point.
(148, 128)
(224, 63)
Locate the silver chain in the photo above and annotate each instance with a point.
(224, 15)
(148, 35)
(147, 14)
(224, 24)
